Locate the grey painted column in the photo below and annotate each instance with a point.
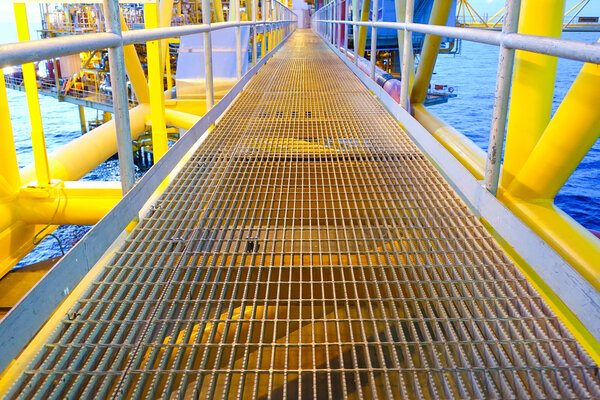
(118, 82)
(208, 77)
(503, 81)
(407, 56)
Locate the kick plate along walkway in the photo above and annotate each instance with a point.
(309, 250)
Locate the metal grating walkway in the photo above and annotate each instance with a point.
(310, 250)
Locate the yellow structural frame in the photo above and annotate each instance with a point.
(35, 115)
(43, 195)
(155, 78)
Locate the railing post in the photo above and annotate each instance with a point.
(238, 39)
(346, 27)
(254, 5)
(355, 30)
(339, 25)
(273, 24)
(116, 60)
(208, 76)
(407, 56)
(374, 39)
(503, 79)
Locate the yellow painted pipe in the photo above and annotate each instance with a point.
(431, 47)
(569, 136)
(219, 11)
(76, 206)
(362, 31)
(80, 156)
(38, 142)
(180, 119)
(157, 90)
(532, 86)
(134, 70)
(10, 180)
(462, 148)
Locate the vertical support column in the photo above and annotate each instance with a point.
(254, 44)
(208, 76)
(118, 83)
(169, 73)
(335, 26)
(532, 85)
(503, 78)
(40, 157)
(157, 91)
(82, 121)
(165, 10)
(267, 32)
(362, 31)
(400, 11)
(346, 27)
(277, 19)
(238, 38)
(10, 180)
(407, 56)
(374, 39)
(355, 30)
(431, 47)
(134, 70)
(273, 33)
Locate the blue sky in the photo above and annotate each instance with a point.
(482, 6)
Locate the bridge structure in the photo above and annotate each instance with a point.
(310, 237)
(573, 19)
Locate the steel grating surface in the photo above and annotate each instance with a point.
(310, 250)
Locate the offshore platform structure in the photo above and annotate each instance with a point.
(308, 235)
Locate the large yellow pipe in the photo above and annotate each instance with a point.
(362, 31)
(180, 119)
(70, 206)
(532, 86)
(10, 180)
(462, 148)
(80, 156)
(431, 47)
(570, 134)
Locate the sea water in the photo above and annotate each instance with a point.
(472, 73)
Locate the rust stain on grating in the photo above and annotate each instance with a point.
(309, 250)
